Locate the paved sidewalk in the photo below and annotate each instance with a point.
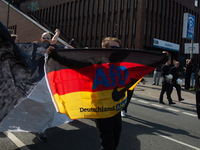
(154, 91)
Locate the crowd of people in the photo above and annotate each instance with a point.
(189, 72)
(171, 74)
(109, 129)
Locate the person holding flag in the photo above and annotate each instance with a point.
(93, 83)
(109, 129)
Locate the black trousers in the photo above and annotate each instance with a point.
(178, 90)
(166, 87)
(129, 95)
(187, 81)
(109, 130)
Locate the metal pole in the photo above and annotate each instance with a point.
(8, 13)
(191, 53)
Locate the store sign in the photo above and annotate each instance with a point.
(188, 26)
(188, 48)
(165, 45)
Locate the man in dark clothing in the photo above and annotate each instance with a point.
(176, 72)
(197, 85)
(193, 72)
(188, 72)
(166, 83)
(109, 129)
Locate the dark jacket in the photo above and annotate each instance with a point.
(165, 70)
(175, 72)
(188, 69)
(159, 68)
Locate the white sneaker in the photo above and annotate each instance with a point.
(127, 114)
(123, 113)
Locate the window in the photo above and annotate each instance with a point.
(49, 16)
(122, 4)
(52, 15)
(56, 21)
(63, 17)
(116, 2)
(46, 16)
(104, 7)
(99, 7)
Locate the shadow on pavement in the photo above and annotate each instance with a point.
(82, 137)
(158, 127)
(166, 104)
(85, 137)
(2, 135)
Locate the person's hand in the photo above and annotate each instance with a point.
(35, 42)
(57, 31)
(167, 54)
(69, 46)
(49, 49)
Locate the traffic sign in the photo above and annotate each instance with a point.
(188, 26)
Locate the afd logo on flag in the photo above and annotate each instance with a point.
(121, 105)
(101, 79)
(104, 80)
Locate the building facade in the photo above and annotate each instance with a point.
(136, 22)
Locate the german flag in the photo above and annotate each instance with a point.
(92, 83)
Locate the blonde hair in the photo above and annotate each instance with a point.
(14, 36)
(105, 41)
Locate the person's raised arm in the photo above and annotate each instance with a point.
(55, 37)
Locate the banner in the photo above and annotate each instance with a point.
(35, 114)
(21, 67)
(25, 102)
(92, 83)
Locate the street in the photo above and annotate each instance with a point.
(152, 126)
(80, 57)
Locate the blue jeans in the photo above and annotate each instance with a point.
(192, 78)
(157, 74)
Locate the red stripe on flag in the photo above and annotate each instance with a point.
(67, 80)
